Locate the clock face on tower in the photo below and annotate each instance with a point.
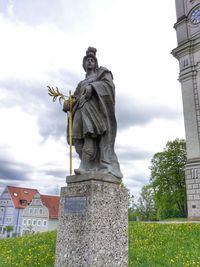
(195, 16)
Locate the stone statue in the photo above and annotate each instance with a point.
(93, 119)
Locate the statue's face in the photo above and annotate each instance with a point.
(90, 64)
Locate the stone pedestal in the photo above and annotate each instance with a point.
(93, 223)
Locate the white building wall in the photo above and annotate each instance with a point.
(53, 224)
(35, 218)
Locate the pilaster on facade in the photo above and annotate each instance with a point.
(189, 50)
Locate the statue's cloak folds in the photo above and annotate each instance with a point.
(95, 117)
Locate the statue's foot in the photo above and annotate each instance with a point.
(103, 169)
(79, 171)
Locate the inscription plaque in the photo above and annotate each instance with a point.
(75, 205)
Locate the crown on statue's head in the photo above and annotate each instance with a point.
(91, 51)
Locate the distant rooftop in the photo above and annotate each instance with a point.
(20, 196)
(52, 203)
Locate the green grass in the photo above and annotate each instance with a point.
(153, 245)
(28, 251)
(150, 245)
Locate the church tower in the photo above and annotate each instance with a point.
(188, 54)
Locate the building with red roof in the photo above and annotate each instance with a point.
(41, 214)
(13, 201)
(52, 203)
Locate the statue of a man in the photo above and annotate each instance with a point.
(93, 119)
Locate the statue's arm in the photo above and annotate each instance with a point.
(88, 91)
(74, 100)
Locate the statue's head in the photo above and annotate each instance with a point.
(90, 53)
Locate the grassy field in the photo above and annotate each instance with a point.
(155, 245)
(28, 251)
(150, 245)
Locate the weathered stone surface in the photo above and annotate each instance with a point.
(94, 124)
(98, 235)
(193, 192)
(93, 176)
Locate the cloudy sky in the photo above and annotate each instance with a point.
(43, 43)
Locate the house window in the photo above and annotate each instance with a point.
(34, 222)
(29, 222)
(44, 223)
(195, 173)
(24, 222)
(1, 210)
(39, 223)
(31, 211)
(0, 219)
(40, 211)
(36, 211)
(37, 201)
(8, 219)
(23, 202)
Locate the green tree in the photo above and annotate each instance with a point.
(168, 180)
(9, 228)
(132, 208)
(145, 206)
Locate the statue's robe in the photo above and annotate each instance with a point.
(95, 118)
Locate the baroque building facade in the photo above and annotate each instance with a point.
(27, 211)
(41, 215)
(188, 54)
(13, 201)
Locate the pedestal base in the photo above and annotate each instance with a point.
(93, 223)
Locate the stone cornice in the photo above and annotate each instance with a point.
(193, 162)
(180, 21)
(185, 47)
(187, 73)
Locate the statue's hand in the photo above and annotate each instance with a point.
(88, 92)
(66, 105)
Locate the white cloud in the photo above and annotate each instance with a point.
(132, 39)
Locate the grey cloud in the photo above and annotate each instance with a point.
(128, 153)
(131, 113)
(56, 173)
(33, 98)
(13, 171)
(4, 183)
(136, 180)
(17, 173)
